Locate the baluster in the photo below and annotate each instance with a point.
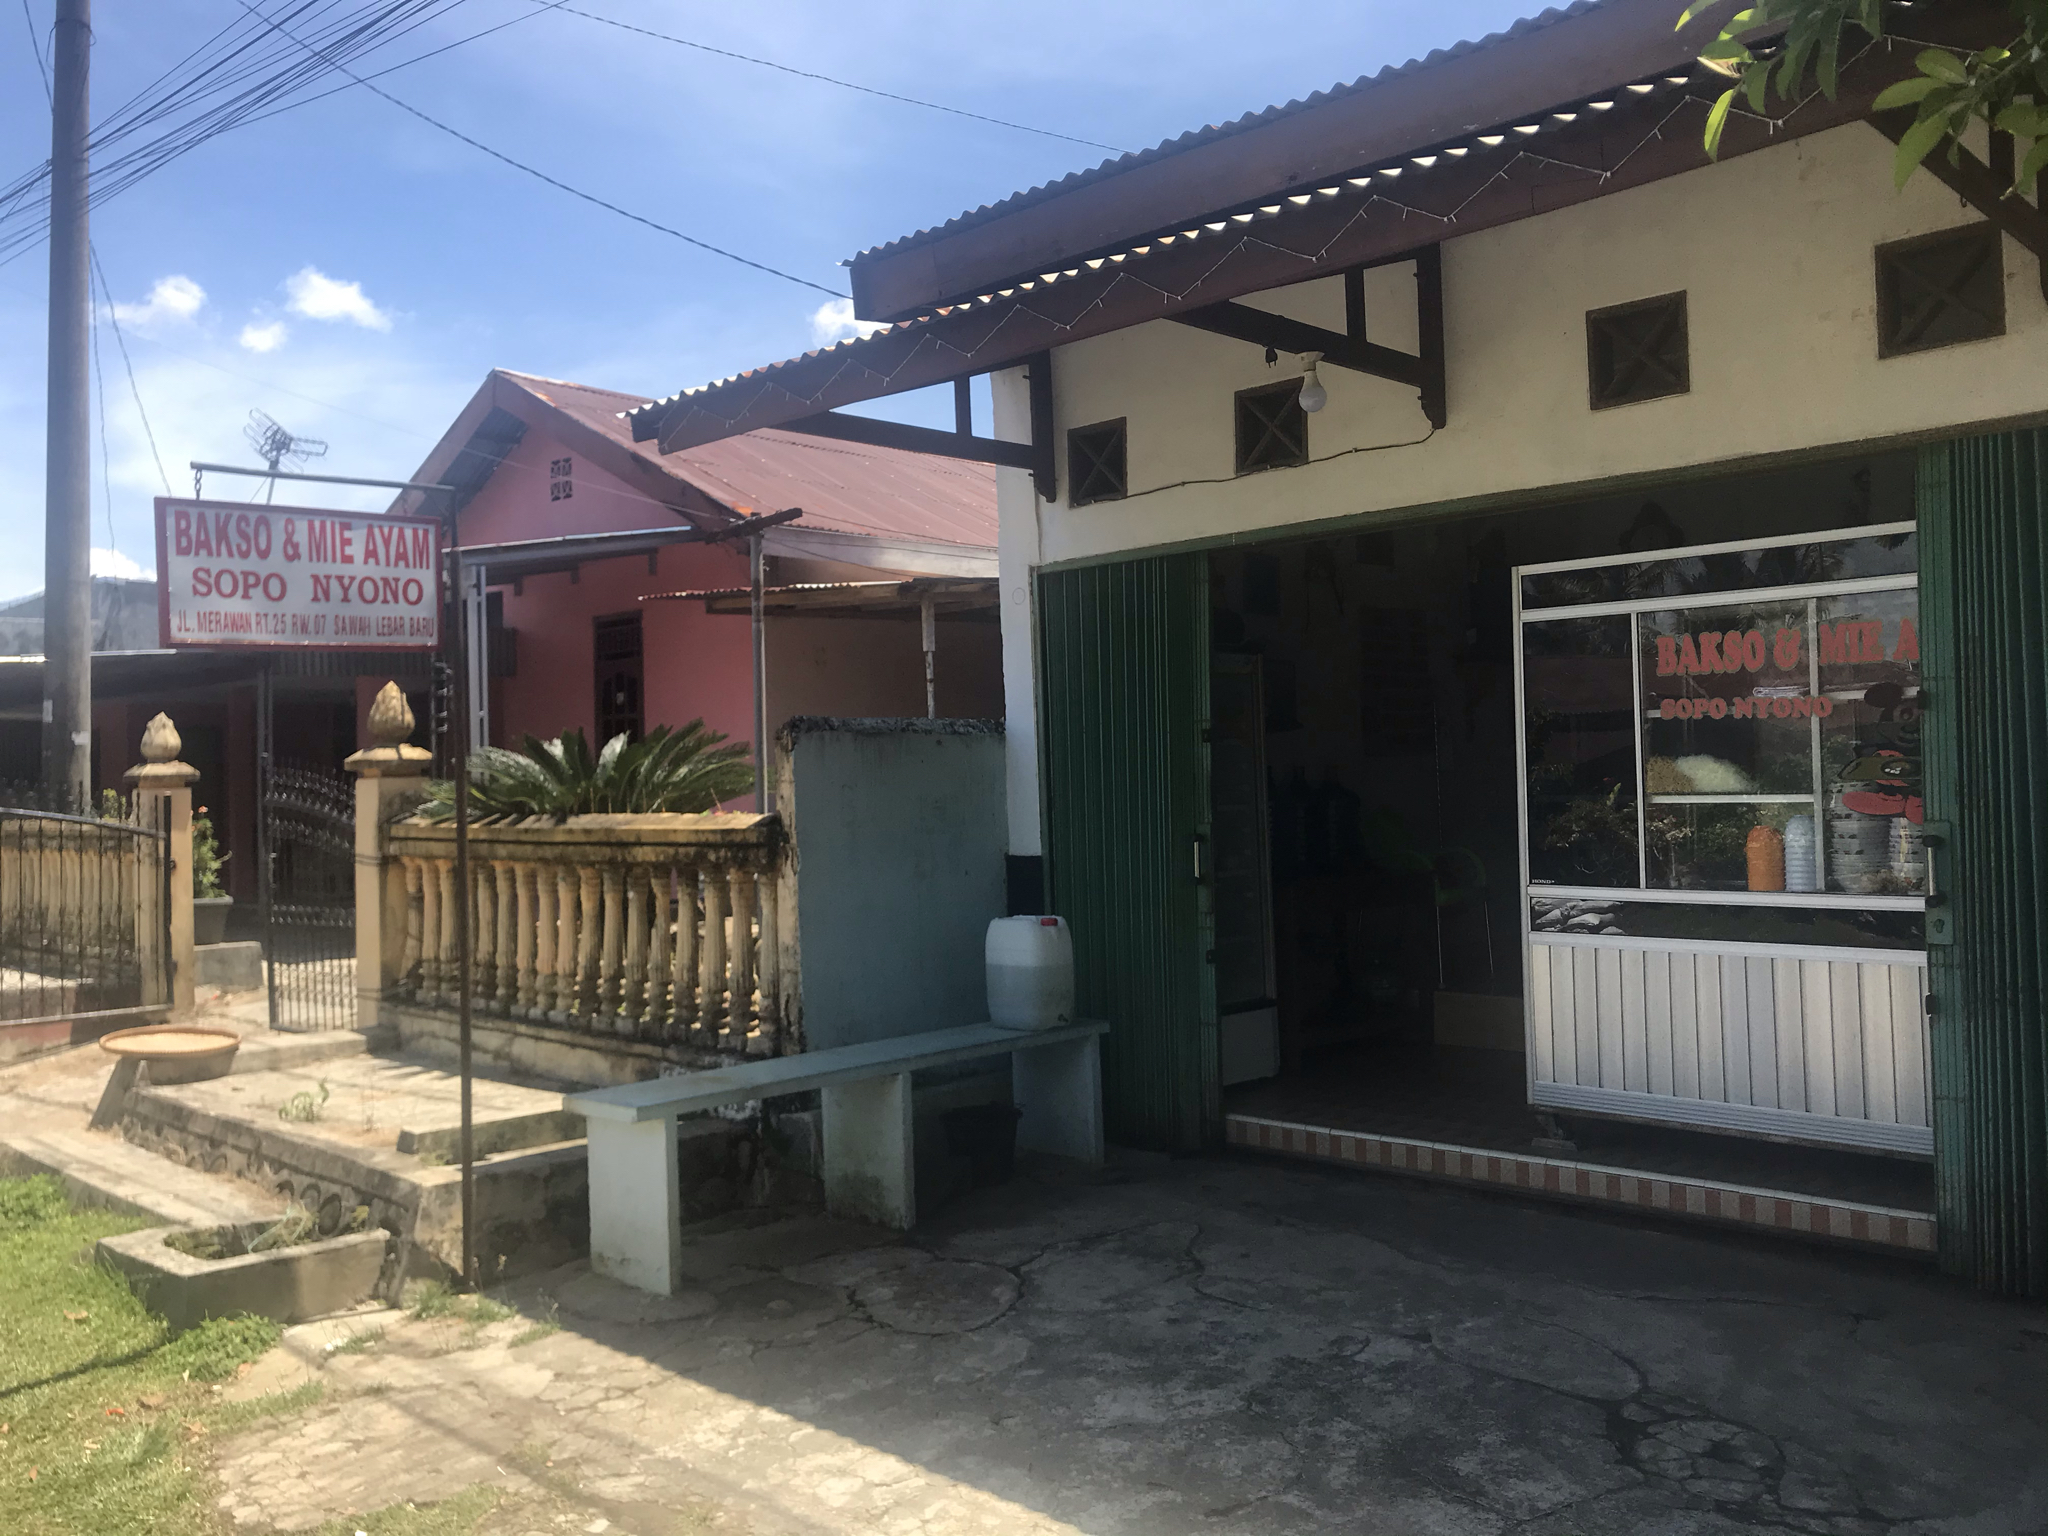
(683, 960)
(590, 912)
(562, 1008)
(612, 951)
(444, 944)
(509, 933)
(711, 958)
(740, 960)
(769, 964)
(430, 931)
(654, 1008)
(523, 954)
(409, 982)
(544, 928)
(633, 979)
(483, 932)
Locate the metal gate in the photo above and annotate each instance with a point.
(85, 905)
(309, 895)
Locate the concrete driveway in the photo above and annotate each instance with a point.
(1205, 1346)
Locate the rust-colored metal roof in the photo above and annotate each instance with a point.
(884, 493)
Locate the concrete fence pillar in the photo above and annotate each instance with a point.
(163, 799)
(391, 779)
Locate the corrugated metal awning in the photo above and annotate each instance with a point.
(950, 597)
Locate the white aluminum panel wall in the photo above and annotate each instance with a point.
(1816, 1046)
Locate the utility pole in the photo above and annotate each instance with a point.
(67, 535)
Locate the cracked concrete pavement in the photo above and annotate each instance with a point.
(1209, 1345)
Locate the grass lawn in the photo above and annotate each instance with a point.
(104, 1415)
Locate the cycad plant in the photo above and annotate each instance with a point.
(684, 769)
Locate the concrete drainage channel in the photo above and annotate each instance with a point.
(292, 1284)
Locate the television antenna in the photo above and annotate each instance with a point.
(274, 445)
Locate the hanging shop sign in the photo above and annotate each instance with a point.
(293, 578)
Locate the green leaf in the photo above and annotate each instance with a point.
(2030, 168)
(1942, 65)
(1918, 143)
(1906, 93)
(1718, 120)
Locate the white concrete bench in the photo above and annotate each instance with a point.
(864, 1095)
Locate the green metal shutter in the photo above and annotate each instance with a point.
(1124, 694)
(1984, 601)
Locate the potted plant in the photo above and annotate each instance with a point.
(210, 901)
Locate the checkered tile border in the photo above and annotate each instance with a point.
(1773, 1210)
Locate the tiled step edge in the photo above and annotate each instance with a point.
(1561, 1178)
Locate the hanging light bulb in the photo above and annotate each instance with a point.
(1313, 396)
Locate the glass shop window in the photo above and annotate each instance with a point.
(1727, 744)
(1579, 709)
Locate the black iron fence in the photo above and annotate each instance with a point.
(85, 904)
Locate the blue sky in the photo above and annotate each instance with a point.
(354, 273)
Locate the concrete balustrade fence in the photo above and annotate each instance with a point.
(658, 928)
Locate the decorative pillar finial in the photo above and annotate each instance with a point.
(391, 719)
(160, 740)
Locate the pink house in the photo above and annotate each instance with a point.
(626, 633)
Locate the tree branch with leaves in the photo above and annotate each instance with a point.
(1772, 48)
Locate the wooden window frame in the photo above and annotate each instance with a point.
(1089, 450)
(1888, 262)
(1600, 325)
(1255, 427)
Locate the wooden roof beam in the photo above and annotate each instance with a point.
(1349, 348)
(1976, 184)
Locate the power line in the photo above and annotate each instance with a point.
(221, 84)
(250, 378)
(99, 384)
(806, 74)
(563, 186)
(134, 389)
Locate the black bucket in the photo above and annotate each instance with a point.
(986, 1136)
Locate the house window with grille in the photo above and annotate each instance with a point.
(561, 481)
(1940, 289)
(1272, 428)
(1096, 465)
(1638, 351)
(617, 650)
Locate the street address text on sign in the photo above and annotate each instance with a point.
(233, 573)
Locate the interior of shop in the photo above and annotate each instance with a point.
(1369, 905)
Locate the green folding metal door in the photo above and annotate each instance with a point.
(1124, 709)
(1984, 597)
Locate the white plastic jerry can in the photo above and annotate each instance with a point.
(1030, 972)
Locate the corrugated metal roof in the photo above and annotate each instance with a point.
(1196, 138)
(842, 487)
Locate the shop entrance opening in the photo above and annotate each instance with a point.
(1516, 851)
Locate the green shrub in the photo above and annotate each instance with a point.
(206, 857)
(684, 770)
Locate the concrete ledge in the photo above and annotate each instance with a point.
(521, 1048)
(292, 1285)
(233, 967)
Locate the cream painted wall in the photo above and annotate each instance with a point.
(1775, 253)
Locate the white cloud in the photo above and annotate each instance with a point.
(319, 297)
(833, 321)
(263, 338)
(173, 298)
(111, 562)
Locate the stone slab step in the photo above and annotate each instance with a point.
(106, 1171)
(489, 1136)
(277, 1050)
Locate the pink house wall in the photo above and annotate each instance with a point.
(694, 666)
